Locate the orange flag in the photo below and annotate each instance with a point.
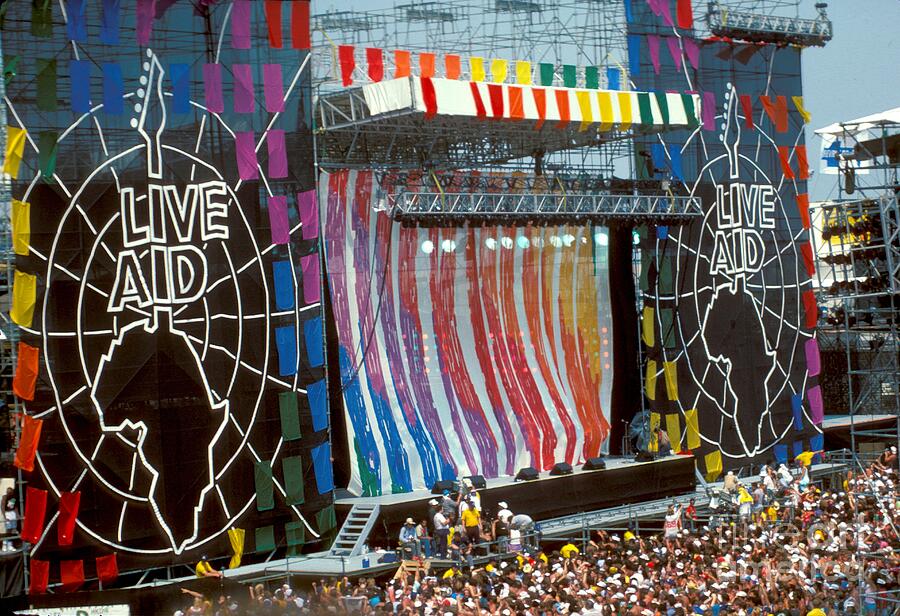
(26, 371)
(28, 443)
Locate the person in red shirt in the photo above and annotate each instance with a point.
(690, 513)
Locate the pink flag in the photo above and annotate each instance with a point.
(212, 82)
(309, 214)
(816, 409)
(278, 220)
(243, 88)
(655, 6)
(278, 167)
(146, 10)
(273, 87)
(692, 49)
(666, 13)
(310, 266)
(708, 111)
(674, 50)
(240, 24)
(245, 149)
(653, 45)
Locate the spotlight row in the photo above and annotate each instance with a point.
(557, 241)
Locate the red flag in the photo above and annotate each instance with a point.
(495, 92)
(802, 163)
(26, 371)
(685, 14)
(747, 106)
(348, 63)
(784, 154)
(40, 577)
(810, 309)
(516, 104)
(426, 65)
(807, 254)
(273, 19)
(540, 102)
(402, 60)
(777, 112)
(300, 24)
(428, 96)
(452, 66)
(68, 514)
(35, 512)
(480, 111)
(375, 63)
(562, 103)
(803, 209)
(28, 442)
(71, 572)
(107, 568)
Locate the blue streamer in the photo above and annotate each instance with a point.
(312, 334)
(286, 341)
(113, 89)
(817, 443)
(76, 25)
(80, 72)
(284, 285)
(317, 393)
(634, 54)
(321, 456)
(109, 23)
(629, 16)
(662, 232)
(675, 161)
(658, 156)
(781, 453)
(613, 78)
(797, 407)
(798, 448)
(181, 88)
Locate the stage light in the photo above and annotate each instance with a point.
(568, 239)
(448, 245)
(428, 247)
(491, 243)
(594, 464)
(506, 242)
(555, 241)
(635, 237)
(601, 238)
(529, 473)
(523, 242)
(561, 468)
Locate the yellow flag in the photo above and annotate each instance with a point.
(798, 103)
(671, 371)
(24, 295)
(584, 105)
(604, 98)
(498, 70)
(476, 67)
(236, 537)
(15, 149)
(692, 429)
(647, 326)
(523, 72)
(713, 462)
(21, 226)
(625, 110)
(653, 445)
(650, 386)
(673, 429)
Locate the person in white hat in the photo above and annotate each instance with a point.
(408, 538)
(500, 527)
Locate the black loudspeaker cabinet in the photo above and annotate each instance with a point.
(644, 456)
(529, 473)
(478, 481)
(444, 484)
(561, 468)
(594, 464)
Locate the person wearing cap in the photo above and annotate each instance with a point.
(441, 533)
(206, 570)
(471, 521)
(500, 527)
(408, 538)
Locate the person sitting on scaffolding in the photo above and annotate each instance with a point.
(408, 544)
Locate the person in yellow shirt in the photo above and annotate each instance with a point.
(471, 520)
(569, 550)
(806, 457)
(204, 569)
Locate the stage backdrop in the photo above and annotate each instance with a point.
(731, 362)
(473, 350)
(167, 282)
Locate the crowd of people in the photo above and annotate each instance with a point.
(776, 545)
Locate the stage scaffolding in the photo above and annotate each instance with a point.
(856, 240)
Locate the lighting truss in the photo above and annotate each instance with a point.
(767, 28)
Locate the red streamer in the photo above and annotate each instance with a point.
(107, 568)
(452, 66)
(810, 309)
(40, 577)
(747, 106)
(802, 162)
(300, 38)
(784, 155)
(516, 106)
(426, 65)
(375, 63)
(429, 97)
(562, 103)
(803, 209)
(71, 573)
(273, 19)
(28, 443)
(348, 63)
(26, 371)
(540, 101)
(495, 91)
(401, 63)
(777, 112)
(68, 514)
(685, 14)
(807, 254)
(35, 512)
(479, 104)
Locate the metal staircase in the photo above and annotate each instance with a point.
(355, 530)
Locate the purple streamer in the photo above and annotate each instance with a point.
(692, 49)
(243, 88)
(311, 282)
(674, 50)
(813, 361)
(655, 6)
(245, 149)
(309, 214)
(240, 24)
(278, 166)
(666, 10)
(653, 46)
(278, 220)
(273, 87)
(146, 11)
(816, 410)
(212, 83)
(708, 111)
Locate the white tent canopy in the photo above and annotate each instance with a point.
(854, 127)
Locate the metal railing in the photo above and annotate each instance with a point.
(760, 26)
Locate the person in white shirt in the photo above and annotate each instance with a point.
(441, 534)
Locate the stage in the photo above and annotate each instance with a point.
(624, 481)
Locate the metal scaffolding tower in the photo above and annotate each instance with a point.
(857, 246)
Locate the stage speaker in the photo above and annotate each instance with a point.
(478, 481)
(529, 473)
(444, 484)
(594, 464)
(561, 468)
(643, 456)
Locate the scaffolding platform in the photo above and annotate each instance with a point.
(447, 123)
(759, 27)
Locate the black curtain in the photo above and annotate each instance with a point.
(626, 389)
